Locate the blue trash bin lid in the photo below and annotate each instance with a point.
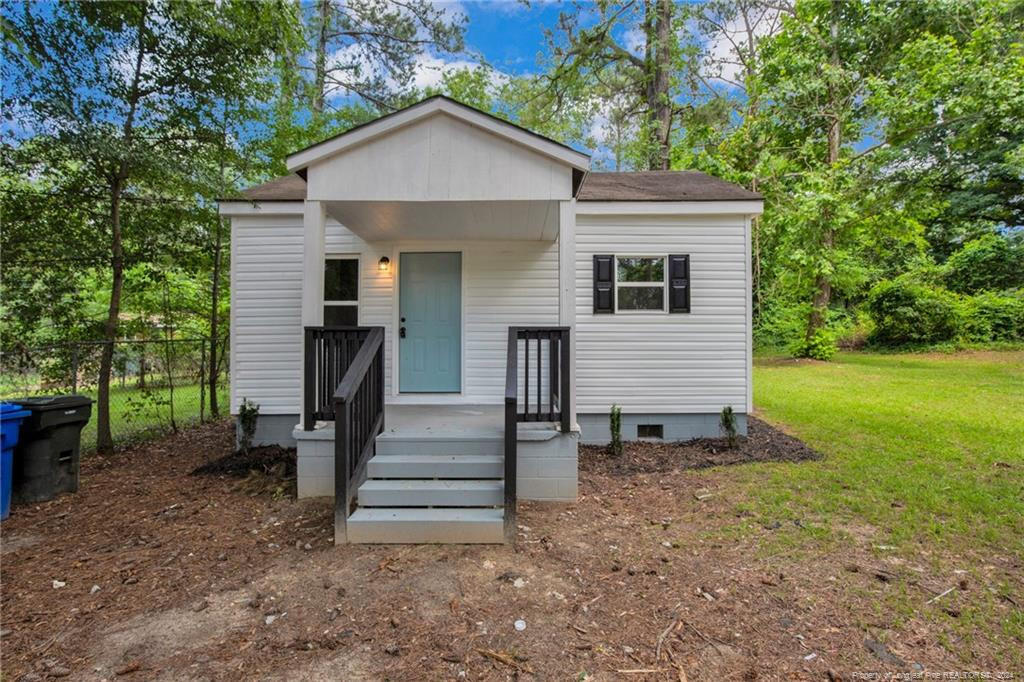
(12, 411)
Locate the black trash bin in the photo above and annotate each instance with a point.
(47, 455)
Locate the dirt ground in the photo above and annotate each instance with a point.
(150, 572)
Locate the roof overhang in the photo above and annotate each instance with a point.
(434, 106)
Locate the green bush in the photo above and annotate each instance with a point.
(821, 346)
(988, 263)
(994, 317)
(906, 312)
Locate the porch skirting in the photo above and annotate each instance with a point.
(594, 429)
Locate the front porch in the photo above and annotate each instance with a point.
(433, 473)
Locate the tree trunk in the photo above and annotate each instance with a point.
(320, 58)
(658, 26)
(104, 437)
(822, 282)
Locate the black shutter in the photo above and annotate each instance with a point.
(679, 284)
(604, 284)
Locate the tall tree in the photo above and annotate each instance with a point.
(370, 48)
(127, 89)
(633, 48)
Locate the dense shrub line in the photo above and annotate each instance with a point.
(975, 298)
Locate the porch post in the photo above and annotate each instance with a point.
(567, 289)
(314, 220)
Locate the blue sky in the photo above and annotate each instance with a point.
(509, 35)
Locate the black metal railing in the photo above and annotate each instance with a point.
(358, 418)
(552, 396)
(329, 351)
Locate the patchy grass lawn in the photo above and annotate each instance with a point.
(924, 448)
(899, 551)
(924, 465)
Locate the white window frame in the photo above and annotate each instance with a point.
(650, 285)
(355, 303)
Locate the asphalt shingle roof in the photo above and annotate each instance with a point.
(624, 186)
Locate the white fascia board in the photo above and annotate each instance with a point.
(669, 207)
(264, 208)
(417, 112)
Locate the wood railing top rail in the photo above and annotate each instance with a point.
(360, 365)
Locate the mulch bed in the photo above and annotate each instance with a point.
(763, 443)
(265, 458)
(197, 578)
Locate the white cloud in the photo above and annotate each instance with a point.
(723, 63)
(430, 70)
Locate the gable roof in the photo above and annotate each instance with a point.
(432, 106)
(661, 186)
(619, 186)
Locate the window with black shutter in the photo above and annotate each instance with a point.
(641, 284)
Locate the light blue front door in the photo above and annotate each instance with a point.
(430, 323)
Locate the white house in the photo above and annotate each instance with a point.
(438, 305)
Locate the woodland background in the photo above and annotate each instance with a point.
(887, 138)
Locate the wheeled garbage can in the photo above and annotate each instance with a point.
(11, 416)
(47, 457)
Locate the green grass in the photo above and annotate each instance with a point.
(921, 448)
(140, 413)
(137, 414)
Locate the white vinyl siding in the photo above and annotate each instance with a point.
(655, 362)
(504, 283)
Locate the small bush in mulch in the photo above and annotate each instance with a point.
(763, 443)
(268, 468)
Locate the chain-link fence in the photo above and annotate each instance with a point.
(155, 386)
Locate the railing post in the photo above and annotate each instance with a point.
(341, 472)
(511, 433)
(564, 399)
(309, 380)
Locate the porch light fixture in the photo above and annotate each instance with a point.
(384, 264)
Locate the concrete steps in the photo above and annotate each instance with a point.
(435, 466)
(446, 443)
(432, 486)
(416, 525)
(431, 493)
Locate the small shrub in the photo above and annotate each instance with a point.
(908, 312)
(993, 317)
(615, 426)
(821, 346)
(727, 424)
(248, 415)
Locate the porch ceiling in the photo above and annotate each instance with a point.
(448, 220)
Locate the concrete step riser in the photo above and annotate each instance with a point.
(386, 526)
(429, 498)
(439, 446)
(462, 467)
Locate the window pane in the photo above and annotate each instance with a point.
(641, 269)
(341, 316)
(641, 298)
(340, 280)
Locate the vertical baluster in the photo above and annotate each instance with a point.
(526, 373)
(552, 373)
(540, 383)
